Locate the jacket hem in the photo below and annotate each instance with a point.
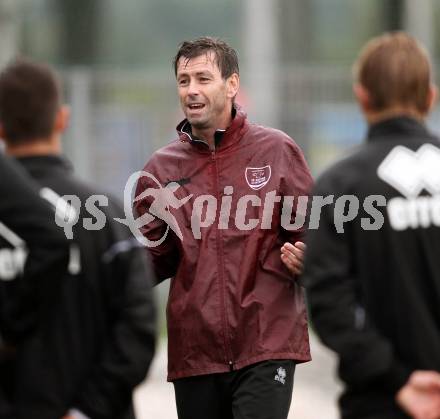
(221, 368)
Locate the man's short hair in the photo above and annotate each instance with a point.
(225, 56)
(29, 101)
(395, 69)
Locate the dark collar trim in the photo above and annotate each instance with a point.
(397, 126)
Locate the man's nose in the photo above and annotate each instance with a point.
(193, 88)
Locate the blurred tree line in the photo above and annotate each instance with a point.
(124, 34)
(139, 33)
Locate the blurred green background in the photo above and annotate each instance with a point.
(115, 61)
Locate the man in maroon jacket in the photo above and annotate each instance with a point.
(218, 204)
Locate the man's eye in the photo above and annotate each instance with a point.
(204, 79)
(182, 82)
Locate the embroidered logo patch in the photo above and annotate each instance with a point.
(281, 375)
(257, 177)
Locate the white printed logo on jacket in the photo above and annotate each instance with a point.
(411, 172)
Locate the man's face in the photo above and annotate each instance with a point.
(205, 97)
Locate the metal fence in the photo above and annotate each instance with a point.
(120, 119)
(117, 121)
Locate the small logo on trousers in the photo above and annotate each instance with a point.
(281, 375)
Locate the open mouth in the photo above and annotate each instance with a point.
(196, 106)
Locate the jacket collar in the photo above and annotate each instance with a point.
(46, 163)
(400, 126)
(223, 138)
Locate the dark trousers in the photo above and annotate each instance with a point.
(259, 391)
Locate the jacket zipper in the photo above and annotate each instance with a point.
(226, 339)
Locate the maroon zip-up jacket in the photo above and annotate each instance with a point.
(232, 302)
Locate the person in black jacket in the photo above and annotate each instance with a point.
(372, 268)
(96, 329)
(37, 249)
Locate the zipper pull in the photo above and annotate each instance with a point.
(231, 365)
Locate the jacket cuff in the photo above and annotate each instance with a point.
(395, 377)
(78, 414)
(84, 408)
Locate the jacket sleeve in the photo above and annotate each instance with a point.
(297, 183)
(5, 407)
(129, 349)
(32, 220)
(164, 253)
(338, 316)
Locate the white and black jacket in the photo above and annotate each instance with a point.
(31, 248)
(374, 289)
(96, 333)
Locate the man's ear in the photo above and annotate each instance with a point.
(232, 85)
(363, 97)
(62, 119)
(432, 97)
